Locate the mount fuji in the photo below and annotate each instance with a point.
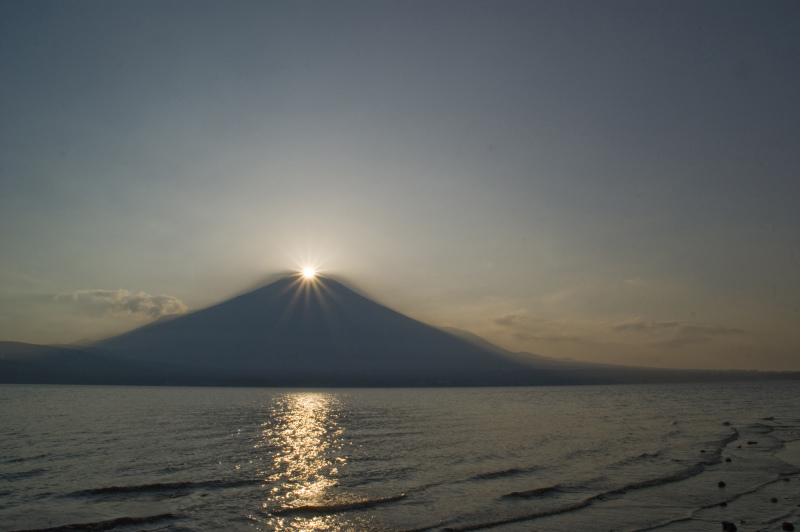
(297, 331)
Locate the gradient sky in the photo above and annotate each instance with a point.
(608, 181)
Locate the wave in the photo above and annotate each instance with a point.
(22, 459)
(544, 513)
(761, 428)
(104, 525)
(636, 459)
(166, 486)
(11, 477)
(647, 456)
(729, 439)
(335, 507)
(715, 456)
(424, 528)
(538, 492)
(683, 474)
(712, 505)
(504, 473)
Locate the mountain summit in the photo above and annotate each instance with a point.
(299, 331)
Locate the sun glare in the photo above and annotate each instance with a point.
(309, 273)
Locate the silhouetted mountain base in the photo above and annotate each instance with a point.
(50, 365)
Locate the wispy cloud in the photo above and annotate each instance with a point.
(681, 341)
(675, 334)
(520, 325)
(510, 319)
(549, 337)
(642, 326)
(138, 305)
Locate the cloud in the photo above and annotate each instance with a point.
(681, 341)
(520, 325)
(549, 337)
(710, 331)
(510, 319)
(640, 326)
(678, 333)
(139, 305)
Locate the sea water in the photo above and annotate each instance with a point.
(623, 458)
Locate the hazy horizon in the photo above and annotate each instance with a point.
(613, 182)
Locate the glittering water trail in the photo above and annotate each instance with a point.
(300, 436)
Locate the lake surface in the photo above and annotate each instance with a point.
(623, 458)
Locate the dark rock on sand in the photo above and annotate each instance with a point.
(726, 423)
(773, 499)
(752, 443)
(721, 484)
(727, 459)
(727, 526)
(770, 418)
(787, 526)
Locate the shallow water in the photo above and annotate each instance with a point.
(545, 458)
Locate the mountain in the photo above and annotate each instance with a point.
(310, 332)
(22, 363)
(296, 332)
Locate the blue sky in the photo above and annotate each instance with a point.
(608, 181)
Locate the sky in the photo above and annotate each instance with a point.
(614, 181)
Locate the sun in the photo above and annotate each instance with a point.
(309, 273)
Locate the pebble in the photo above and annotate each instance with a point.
(727, 526)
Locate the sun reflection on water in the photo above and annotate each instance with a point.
(303, 437)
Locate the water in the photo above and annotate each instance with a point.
(618, 458)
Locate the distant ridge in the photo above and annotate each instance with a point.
(295, 332)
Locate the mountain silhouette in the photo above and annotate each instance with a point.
(313, 333)
(309, 331)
